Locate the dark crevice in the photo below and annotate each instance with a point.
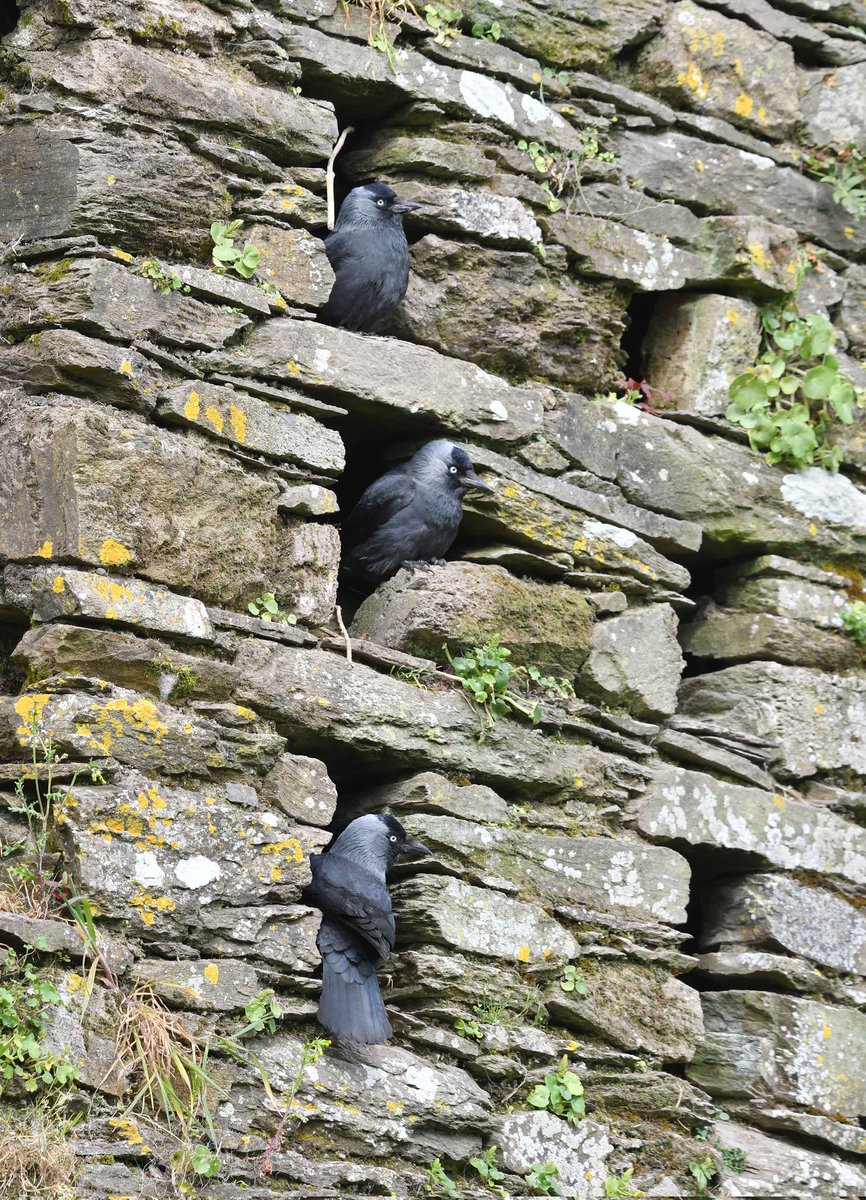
(638, 316)
(9, 17)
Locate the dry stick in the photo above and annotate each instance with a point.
(345, 634)
(329, 177)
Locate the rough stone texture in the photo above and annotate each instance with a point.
(706, 61)
(800, 1051)
(778, 1168)
(51, 593)
(815, 720)
(635, 660)
(293, 261)
(773, 910)
(156, 856)
(638, 1008)
(688, 808)
(369, 718)
(465, 605)
(512, 314)
(188, 515)
(630, 256)
(833, 107)
(373, 384)
(254, 425)
(732, 636)
(478, 921)
(300, 787)
(626, 877)
(695, 346)
(223, 985)
(525, 1139)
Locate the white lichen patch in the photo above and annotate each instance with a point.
(197, 872)
(486, 97)
(823, 496)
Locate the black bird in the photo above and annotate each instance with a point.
(410, 514)
(357, 930)
(370, 257)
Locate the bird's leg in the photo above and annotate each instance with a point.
(417, 564)
(385, 980)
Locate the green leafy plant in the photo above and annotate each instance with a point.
(791, 399)
(854, 619)
(24, 997)
(385, 18)
(542, 1179)
(225, 256)
(845, 170)
(485, 1164)
(572, 981)
(163, 278)
(703, 1171)
(488, 33)
(438, 1179)
(445, 22)
(469, 1029)
(563, 170)
(734, 1159)
(560, 1093)
(492, 682)
(621, 1185)
(311, 1052)
(193, 1161)
(267, 608)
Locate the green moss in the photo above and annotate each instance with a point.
(53, 272)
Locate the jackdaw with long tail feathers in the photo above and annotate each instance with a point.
(357, 930)
(370, 257)
(411, 514)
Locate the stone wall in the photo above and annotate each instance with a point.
(693, 847)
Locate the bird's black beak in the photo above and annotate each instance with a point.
(411, 846)
(471, 479)
(404, 206)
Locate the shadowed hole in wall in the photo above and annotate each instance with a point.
(9, 14)
(638, 316)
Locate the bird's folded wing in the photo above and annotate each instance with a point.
(358, 900)
(380, 502)
(345, 953)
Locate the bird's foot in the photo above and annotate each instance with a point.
(417, 564)
(385, 981)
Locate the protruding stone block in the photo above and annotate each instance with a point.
(295, 262)
(695, 347)
(527, 1139)
(635, 660)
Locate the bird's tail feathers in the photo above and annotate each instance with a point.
(352, 1008)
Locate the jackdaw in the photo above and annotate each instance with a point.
(410, 514)
(370, 257)
(357, 930)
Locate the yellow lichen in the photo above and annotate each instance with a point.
(523, 954)
(215, 417)
(46, 549)
(743, 105)
(212, 973)
(238, 419)
(58, 585)
(114, 554)
(192, 406)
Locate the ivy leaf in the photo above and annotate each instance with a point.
(746, 390)
(818, 382)
(841, 400)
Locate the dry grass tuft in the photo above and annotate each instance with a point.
(36, 1158)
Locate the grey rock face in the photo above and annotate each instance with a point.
(690, 808)
(774, 910)
(833, 107)
(528, 1138)
(775, 1167)
(635, 660)
(465, 605)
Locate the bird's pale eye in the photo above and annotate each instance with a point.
(453, 470)
(381, 203)
(392, 838)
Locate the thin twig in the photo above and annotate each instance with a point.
(346, 637)
(329, 176)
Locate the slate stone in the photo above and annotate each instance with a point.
(752, 253)
(777, 911)
(775, 1166)
(484, 215)
(638, 1008)
(294, 261)
(394, 150)
(438, 909)
(155, 856)
(374, 721)
(188, 513)
(512, 314)
(723, 179)
(283, 935)
(543, 624)
(177, 23)
(602, 247)
(731, 636)
(689, 808)
(300, 787)
(112, 185)
(255, 425)
(695, 346)
(814, 719)
(796, 1051)
(103, 298)
(611, 873)
(308, 500)
(528, 1138)
(49, 593)
(635, 661)
(380, 385)
(707, 61)
(215, 985)
(129, 660)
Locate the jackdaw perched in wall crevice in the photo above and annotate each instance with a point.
(370, 257)
(410, 514)
(357, 931)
